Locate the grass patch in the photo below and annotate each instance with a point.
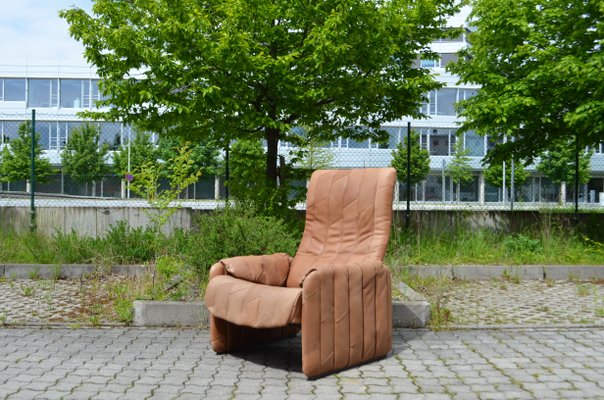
(467, 246)
(434, 288)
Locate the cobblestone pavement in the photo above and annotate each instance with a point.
(27, 301)
(492, 302)
(503, 302)
(129, 363)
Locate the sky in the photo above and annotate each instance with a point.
(32, 32)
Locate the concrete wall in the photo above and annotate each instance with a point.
(89, 221)
(95, 221)
(437, 221)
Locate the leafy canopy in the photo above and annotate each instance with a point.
(420, 160)
(204, 156)
(230, 69)
(558, 164)
(15, 158)
(493, 173)
(540, 67)
(142, 152)
(83, 157)
(460, 169)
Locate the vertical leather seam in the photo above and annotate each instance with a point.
(348, 269)
(375, 198)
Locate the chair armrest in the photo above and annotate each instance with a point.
(266, 269)
(346, 316)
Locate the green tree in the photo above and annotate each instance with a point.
(493, 173)
(540, 67)
(142, 152)
(312, 154)
(459, 169)
(84, 157)
(181, 173)
(246, 177)
(204, 156)
(255, 69)
(16, 158)
(558, 164)
(420, 160)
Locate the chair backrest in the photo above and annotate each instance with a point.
(348, 219)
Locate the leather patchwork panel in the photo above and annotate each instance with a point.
(254, 305)
(348, 219)
(267, 269)
(346, 316)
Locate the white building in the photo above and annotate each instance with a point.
(58, 92)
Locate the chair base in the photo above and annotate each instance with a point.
(226, 337)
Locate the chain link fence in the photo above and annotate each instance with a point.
(439, 190)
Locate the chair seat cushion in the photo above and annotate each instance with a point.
(251, 304)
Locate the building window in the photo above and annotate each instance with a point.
(439, 142)
(474, 143)
(43, 130)
(353, 144)
(9, 131)
(43, 93)
(446, 58)
(428, 106)
(447, 98)
(111, 133)
(95, 95)
(13, 89)
(465, 94)
(73, 92)
(429, 63)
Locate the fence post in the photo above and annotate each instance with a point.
(32, 177)
(408, 212)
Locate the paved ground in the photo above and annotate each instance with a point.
(492, 302)
(503, 302)
(128, 363)
(562, 362)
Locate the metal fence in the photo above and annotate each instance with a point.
(438, 190)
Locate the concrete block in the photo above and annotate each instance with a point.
(47, 271)
(405, 314)
(425, 271)
(169, 313)
(485, 272)
(73, 270)
(574, 272)
(410, 314)
(129, 270)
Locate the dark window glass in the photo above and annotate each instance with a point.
(446, 101)
(14, 89)
(42, 93)
(72, 93)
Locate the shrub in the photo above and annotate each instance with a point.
(72, 249)
(521, 244)
(236, 231)
(130, 245)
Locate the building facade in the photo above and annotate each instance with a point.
(59, 92)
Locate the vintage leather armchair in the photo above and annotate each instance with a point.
(336, 288)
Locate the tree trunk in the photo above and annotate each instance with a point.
(272, 141)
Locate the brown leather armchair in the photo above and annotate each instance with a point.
(336, 289)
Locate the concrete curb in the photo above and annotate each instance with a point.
(64, 271)
(463, 272)
(169, 313)
(523, 272)
(147, 313)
